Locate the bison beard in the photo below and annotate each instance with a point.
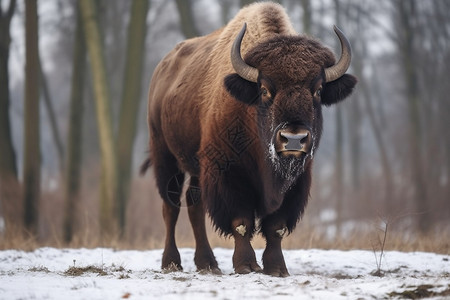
(245, 129)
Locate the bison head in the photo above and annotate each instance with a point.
(287, 79)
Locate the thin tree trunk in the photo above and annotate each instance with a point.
(355, 121)
(9, 184)
(187, 21)
(131, 96)
(307, 16)
(381, 144)
(225, 6)
(407, 12)
(32, 152)
(440, 57)
(108, 197)
(339, 169)
(7, 153)
(243, 3)
(355, 144)
(52, 118)
(74, 140)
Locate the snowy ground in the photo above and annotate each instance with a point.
(49, 273)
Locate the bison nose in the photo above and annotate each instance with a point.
(293, 141)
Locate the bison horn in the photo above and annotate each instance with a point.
(334, 72)
(240, 66)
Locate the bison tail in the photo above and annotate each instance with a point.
(145, 165)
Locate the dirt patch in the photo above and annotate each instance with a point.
(39, 269)
(79, 271)
(421, 292)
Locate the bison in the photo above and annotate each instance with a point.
(245, 128)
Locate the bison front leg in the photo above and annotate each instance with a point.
(204, 257)
(273, 258)
(244, 259)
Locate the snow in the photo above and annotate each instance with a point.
(315, 274)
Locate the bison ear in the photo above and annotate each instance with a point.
(241, 89)
(336, 91)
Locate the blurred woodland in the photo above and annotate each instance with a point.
(73, 84)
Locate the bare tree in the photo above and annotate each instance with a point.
(187, 21)
(95, 49)
(380, 139)
(52, 118)
(433, 53)
(225, 6)
(354, 110)
(9, 185)
(307, 16)
(339, 168)
(245, 2)
(32, 152)
(74, 139)
(406, 13)
(131, 96)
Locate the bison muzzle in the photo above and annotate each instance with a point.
(239, 110)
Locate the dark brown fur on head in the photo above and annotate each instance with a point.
(290, 60)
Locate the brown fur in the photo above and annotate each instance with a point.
(207, 121)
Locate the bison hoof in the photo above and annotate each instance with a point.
(172, 267)
(246, 269)
(277, 273)
(213, 271)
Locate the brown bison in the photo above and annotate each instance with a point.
(245, 129)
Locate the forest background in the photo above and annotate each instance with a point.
(73, 84)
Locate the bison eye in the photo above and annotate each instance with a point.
(318, 92)
(266, 95)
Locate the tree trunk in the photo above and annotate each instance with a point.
(187, 21)
(406, 42)
(355, 144)
(245, 2)
(131, 97)
(380, 142)
(74, 140)
(339, 168)
(307, 16)
(225, 6)
(32, 151)
(9, 184)
(354, 110)
(108, 197)
(52, 119)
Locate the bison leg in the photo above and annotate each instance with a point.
(273, 229)
(244, 259)
(171, 257)
(275, 226)
(169, 180)
(204, 257)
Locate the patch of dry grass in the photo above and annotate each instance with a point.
(305, 237)
(79, 271)
(145, 229)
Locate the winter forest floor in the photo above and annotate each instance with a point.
(103, 273)
(357, 267)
